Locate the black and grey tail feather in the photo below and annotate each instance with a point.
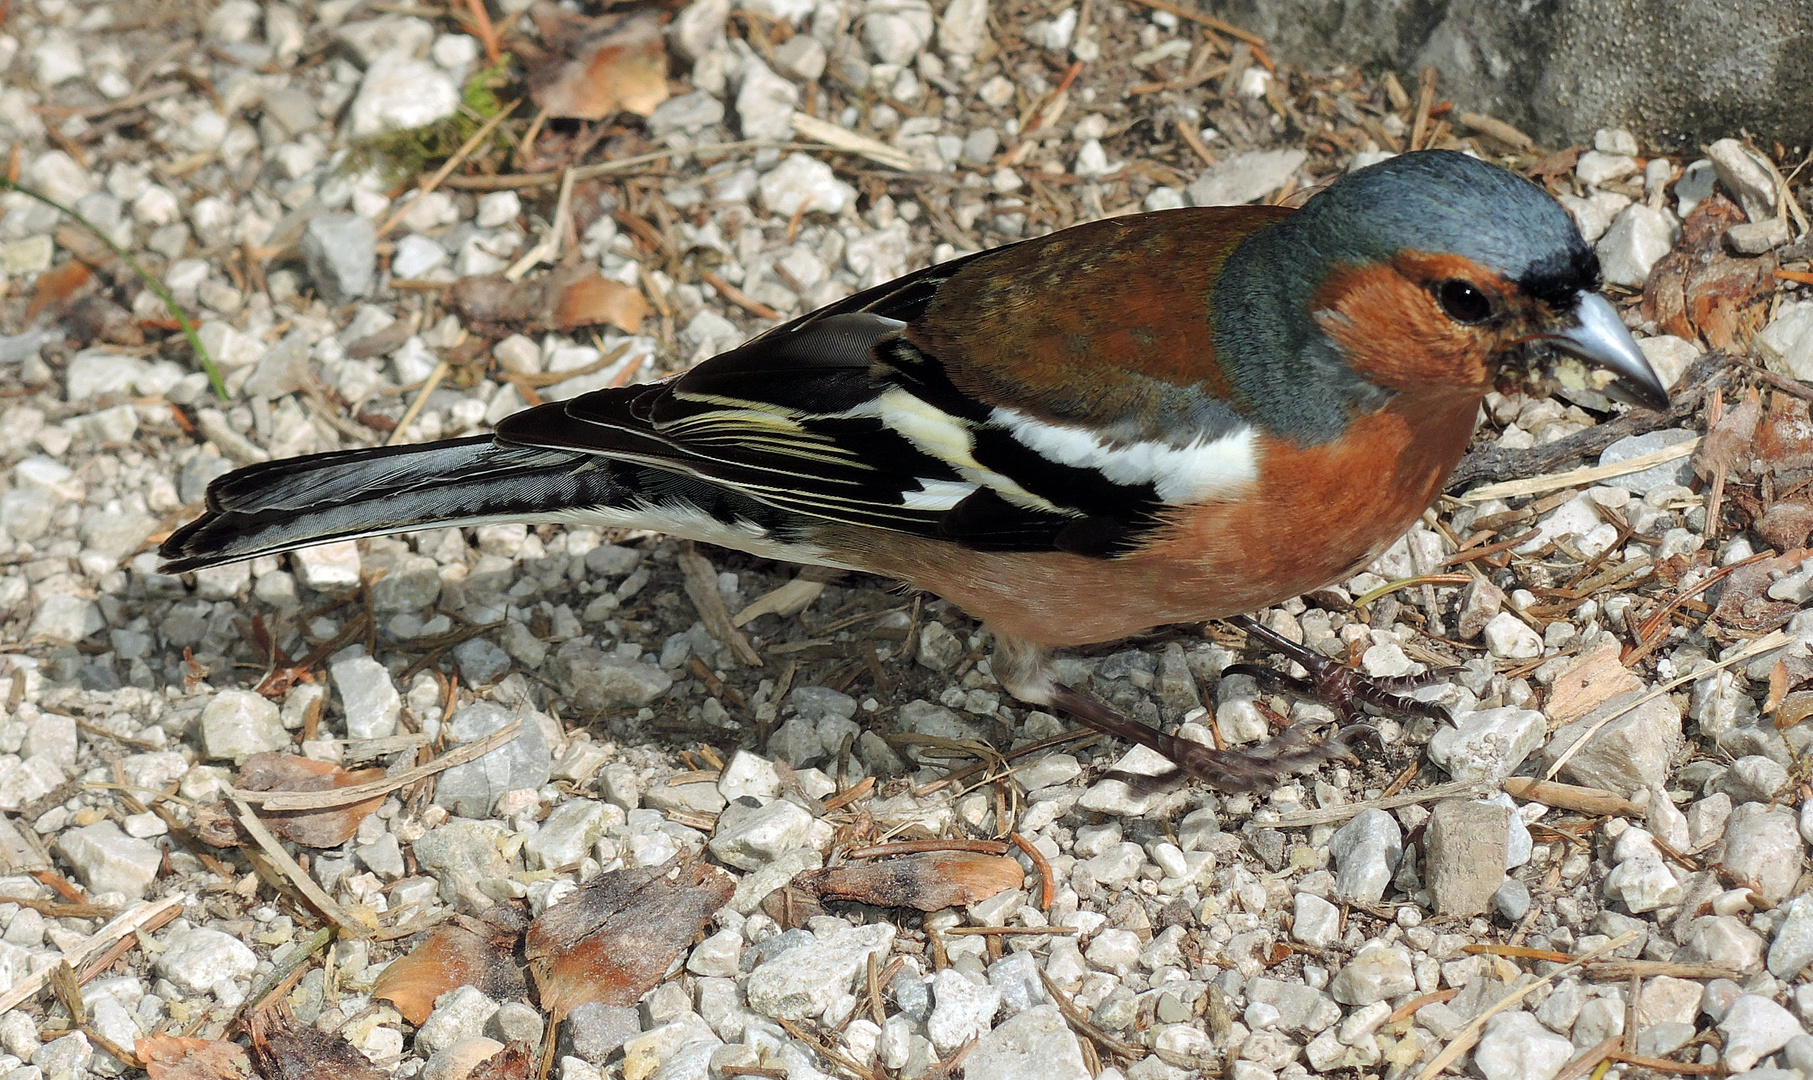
(283, 505)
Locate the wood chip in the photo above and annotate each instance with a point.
(788, 600)
(1593, 679)
(1571, 797)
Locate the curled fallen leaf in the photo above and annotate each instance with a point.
(597, 67)
(1727, 447)
(460, 952)
(925, 881)
(564, 299)
(284, 1049)
(181, 1057)
(1700, 290)
(325, 828)
(615, 939)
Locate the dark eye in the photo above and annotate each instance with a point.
(1463, 301)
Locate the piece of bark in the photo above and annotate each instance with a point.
(463, 951)
(283, 1049)
(928, 881)
(615, 939)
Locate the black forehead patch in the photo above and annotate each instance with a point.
(1560, 277)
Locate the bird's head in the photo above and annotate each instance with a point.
(1435, 268)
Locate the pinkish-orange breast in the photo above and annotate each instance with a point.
(1318, 514)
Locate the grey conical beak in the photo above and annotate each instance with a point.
(1599, 337)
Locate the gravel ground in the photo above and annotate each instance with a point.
(1636, 634)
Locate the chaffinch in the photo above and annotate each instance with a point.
(1160, 418)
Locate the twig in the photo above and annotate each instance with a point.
(811, 127)
(1048, 886)
(1425, 100)
(702, 587)
(277, 801)
(273, 983)
(548, 248)
(121, 926)
(347, 920)
(1329, 814)
(421, 398)
(1536, 485)
(1202, 19)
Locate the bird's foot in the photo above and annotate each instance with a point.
(1258, 768)
(1335, 684)
(1024, 671)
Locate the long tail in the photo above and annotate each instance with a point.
(283, 505)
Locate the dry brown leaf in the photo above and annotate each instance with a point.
(57, 286)
(598, 67)
(460, 952)
(284, 1049)
(287, 772)
(927, 881)
(1794, 709)
(614, 939)
(1701, 291)
(181, 1057)
(1786, 525)
(563, 299)
(594, 300)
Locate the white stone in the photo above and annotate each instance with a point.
(330, 568)
(1636, 240)
(1642, 884)
(204, 961)
(1786, 344)
(1744, 178)
(107, 860)
(1246, 177)
(1599, 168)
(803, 182)
(1755, 1027)
(961, 1010)
(1036, 1044)
(1488, 743)
(369, 697)
(1317, 923)
(1509, 638)
(238, 723)
(815, 978)
(765, 103)
(400, 93)
(1517, 1047)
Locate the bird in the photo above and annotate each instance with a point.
(1152, 419)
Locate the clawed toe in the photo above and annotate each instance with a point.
(1338, 686)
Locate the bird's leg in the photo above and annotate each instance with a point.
(1024, 670)
(1335, 684)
